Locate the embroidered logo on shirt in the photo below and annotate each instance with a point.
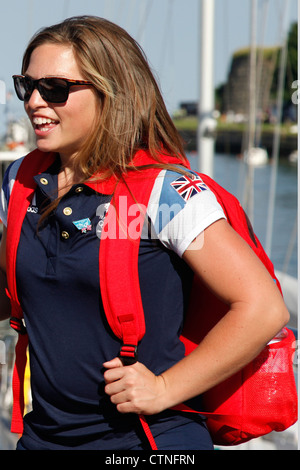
(188, 187)
(84, 225)
(33, 209)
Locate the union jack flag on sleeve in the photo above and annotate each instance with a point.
(188, 187)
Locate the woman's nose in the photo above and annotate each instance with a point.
(36, 100)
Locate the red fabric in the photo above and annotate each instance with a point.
(18, 384)
(148, 432)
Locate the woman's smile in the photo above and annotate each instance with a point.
(41, 125)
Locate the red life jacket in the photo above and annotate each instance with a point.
(233, 414)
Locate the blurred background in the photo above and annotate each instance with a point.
(228, 72)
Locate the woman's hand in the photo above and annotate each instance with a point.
(134, 388)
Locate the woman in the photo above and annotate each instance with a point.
(95, 126)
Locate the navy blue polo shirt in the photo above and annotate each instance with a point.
(58, 286)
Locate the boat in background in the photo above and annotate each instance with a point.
(18, 141)
(12, 155)
(293, 157)
(256, 156)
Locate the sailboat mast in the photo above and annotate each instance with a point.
(248, 202)
(276, 139)
(206, 122)
(252, 78)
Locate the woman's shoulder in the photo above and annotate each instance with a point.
(12, 170)
(11, 173)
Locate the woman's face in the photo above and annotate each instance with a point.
(71, 121)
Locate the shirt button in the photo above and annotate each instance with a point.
(65, 235)
(67, 211)
(44, 181)
(79, 189)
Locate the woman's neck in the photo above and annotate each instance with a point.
(67, 176)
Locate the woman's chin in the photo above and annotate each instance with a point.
(44, 147)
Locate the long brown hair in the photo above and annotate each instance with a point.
(132, 112)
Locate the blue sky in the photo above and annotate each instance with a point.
(168, 30)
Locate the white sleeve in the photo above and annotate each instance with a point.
(180, 208)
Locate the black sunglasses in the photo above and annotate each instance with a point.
(52, 89)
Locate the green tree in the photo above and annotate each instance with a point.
(291, 73)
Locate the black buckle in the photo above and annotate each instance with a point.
(128, 354)
(18, 325)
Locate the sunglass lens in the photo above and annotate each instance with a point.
(54, 90)
(27, 87)
(21, 87)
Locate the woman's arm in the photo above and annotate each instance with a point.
(228, 266)
(4, 300)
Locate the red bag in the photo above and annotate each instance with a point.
(255, 401)
(262, 395)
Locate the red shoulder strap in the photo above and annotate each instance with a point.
(34, 163)
(119, 248)
(24, 186)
